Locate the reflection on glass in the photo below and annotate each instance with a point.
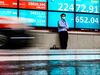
(52, 67)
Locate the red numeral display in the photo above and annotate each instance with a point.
(8, 3)
(33, 5)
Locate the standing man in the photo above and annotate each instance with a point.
(62, 29)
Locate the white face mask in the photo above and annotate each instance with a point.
(63, 17)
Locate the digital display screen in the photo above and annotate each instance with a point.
(43, 13)
(61, 5)
(38, 18)
(8, 3)
(8, 12)
(89, 6)
(88, 21)
(54, 17)
(33, 4)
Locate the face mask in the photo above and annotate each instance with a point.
(63, 17)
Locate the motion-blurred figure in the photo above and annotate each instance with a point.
(14, 31)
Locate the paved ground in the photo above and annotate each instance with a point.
(49, 62)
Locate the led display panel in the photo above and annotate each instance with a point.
(88, 21)
(33, 4)
(61, 5)
(54, 17)
(8, 12)
(38, 18)
(8, 3)
(45, 13)
(89, 6)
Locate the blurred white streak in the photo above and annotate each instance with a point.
(15, 20)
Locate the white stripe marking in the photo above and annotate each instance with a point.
(53, 57)
(22, 37)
